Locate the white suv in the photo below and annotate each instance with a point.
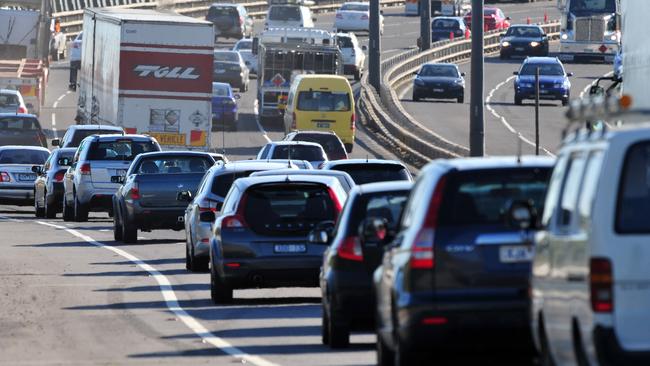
(289, 13)
(354, 57)
(591, 272)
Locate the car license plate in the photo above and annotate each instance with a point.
(435, 90)
(26, 176)
(290, 248)
(519, 48)
(543, 91)
(515, 253)
(322, 125)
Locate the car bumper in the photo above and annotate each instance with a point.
(517, 50)
(350, 69)
(610, 352)
(444, 92)
(234, 80)
(17, 193)
(150, 218)
(570, 51)
(55, 195)
(225, 119)
(235, 32)
(352, 26)
(96, 198)
(202, 232)
(546, 94)
(280, 271)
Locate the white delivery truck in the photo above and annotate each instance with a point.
(148, 71)
(636, 53)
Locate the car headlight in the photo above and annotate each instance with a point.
(564, 36)
(419, 82)
(534, 44)
(525, 85)
(459, 81)
(505, 44)
(558, 85)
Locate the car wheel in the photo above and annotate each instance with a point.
(578, 347)
(348, 147)
(416, 97)
(67, 210)
(461, 99)
(219, 292)
(80, 211)
(565, 102)
(338, 329)
(545, 357)
(402, 356)
(50, 209)
(197, 264)
(117, 227)
(129, 232)
(188, 258)
(385, 357)
(38, 211)
(324, 329)
(518, 100)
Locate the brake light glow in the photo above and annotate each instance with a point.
(58, 177)
(208, 205)
(85, 169)
(600, 284)
(4, 177)
(21, 109)
(135, 191)
(350, 249)
(353, 119)
(233, 265)
(422, 256)
(434, 320)
(233, 222)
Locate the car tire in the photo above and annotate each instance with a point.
(196, 264)
(565, 102)
(338, 329)
(461, 99)
(416, 97)
(348, 147)
(219, 292)
(402, 356)
(188, 259)
(117, 226)
(545, 356)
(38, 211)
(324, 329)
(50, 209)
(68, 214)
(518, 100)
(80, 211)
(578, 346)
(129, 232)
(385, 356)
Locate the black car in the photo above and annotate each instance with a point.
(229, 67)
(346, 274)
(331, 143)
(21, 129)
(230, 20)
(524, 40)
(48, 186)
(440, 81)
(443, 28)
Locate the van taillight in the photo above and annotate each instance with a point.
(350, 249)
(600, 283)
(59, 175)
(85, 169)
(294, 124)
(422, 256)
(135, 191)
(353, 119)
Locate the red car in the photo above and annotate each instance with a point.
(493, 18)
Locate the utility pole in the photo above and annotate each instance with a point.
(425, 25)
(537, 111)
(477, 120)
(374, 62)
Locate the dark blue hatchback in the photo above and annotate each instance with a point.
(554, 81)
(224, 107)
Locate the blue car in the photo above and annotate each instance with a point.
(442, 28)
(224, 107)
(554, 81)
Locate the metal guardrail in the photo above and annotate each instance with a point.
(72, 21)
(387, 116)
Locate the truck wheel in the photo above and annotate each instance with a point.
(129, 232)
(67, 210)
(80, 211)
(117, 227)
(50, 209)
(219, 292)
(38, 211)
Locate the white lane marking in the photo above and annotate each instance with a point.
(586, 89)
(167, 291)
(56, 135)
(54, 106)
(257, 120)
(10, 219)
(503, 120)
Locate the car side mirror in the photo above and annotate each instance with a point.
(415, 73)
(56, 142)
(207, 216)
(569, 74)
(381, 12)
(322, 233)
(63, 161)
(38, 169)
(515, 73)
(508, 18)
(184, 196)
(522, 214)
(462, 74)
(119, 179)
(364, 48)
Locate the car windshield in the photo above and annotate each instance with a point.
(244, 45)
(284, 13)
(531, 32)
(124, 149)
(173, 165)
(222, 11)
(17, 123)
(330, 143)
(298, 152)
(288, 209)
(9, 101)
(370, 173)
(23, 156)
(355, 7)
(82, 134)
(439, 70)
(595, 6)
(344, 42)
(445, 24)
(323, 101)
(221, 183)
(385, 205)
(544, 69)
(228, 56)
(484, 197)
(220, 90)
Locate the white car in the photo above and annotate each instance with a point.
(590, 275)
(355, 16)
(289, 14)
(354, 57)
(245, 48)
(294, 150)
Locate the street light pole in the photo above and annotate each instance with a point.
(425, 25)
(477, 120)
(374, 62)
(537, 111)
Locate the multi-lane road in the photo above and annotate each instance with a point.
(72, 296)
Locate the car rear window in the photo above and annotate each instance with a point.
(222, 11)
(287, 209)
(344, 42)
(229, 56)
(284, 13)
(330, 143)
(123, 149)
(355, 7)
(9, 101)
(82, 134)
(385, 205)
(484, 197)
(23, 156)
(445, 24)
(174, 165)
(323, 101)
(634, 192)
(19, 123)
(221, 183)
(298, 152)
(370, 173)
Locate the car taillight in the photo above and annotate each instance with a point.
(422, 256)
(339, 16)
(241, 20)
(58, 177)
(352, 121)
(293, 121)
(4, 177)
(21, 109)
(600, 283)
(350, 249)
(233, 222)
(335, 200)
(85, 169)
(364, 17)
(208, 205)
(135, 191)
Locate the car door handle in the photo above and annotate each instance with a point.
(576, 277)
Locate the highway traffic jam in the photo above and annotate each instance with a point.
(214, 193)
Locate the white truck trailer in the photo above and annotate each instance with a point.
(149, 71)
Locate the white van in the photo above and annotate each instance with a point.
(591, 273)
(289, 13)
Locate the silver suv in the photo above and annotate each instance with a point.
(87, 183)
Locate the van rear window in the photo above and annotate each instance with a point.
(634, 192)
(323, 101)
